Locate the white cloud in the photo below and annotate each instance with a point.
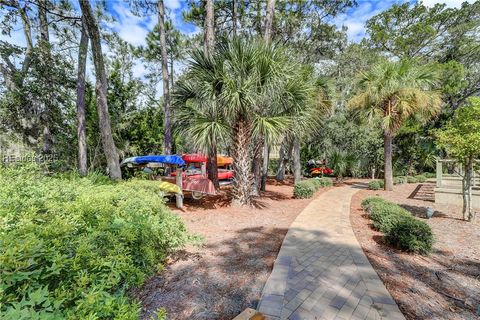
(449, 3)
(355, 18)
(131, 28)
(173, 4)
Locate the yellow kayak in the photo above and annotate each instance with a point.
(170, 187)
(224, 161)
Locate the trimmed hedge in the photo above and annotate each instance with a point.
(386, 215)
(430, 175)
(306, 189)
(369, 202)
(411, 235)
(376, 185)
(421, 178)
(71, 247)
(401, 229)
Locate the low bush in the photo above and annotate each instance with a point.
(401, 229)
(430, 175)
(322, 182)
(400, 180)
(369, 202)
(421, 178)
(386, 215)
(376, 185)
(306, 189)
(411, 179)
(410, 234)
(70, 247)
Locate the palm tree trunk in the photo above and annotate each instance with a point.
(167, 121)
(387, 152)
(242, 165)
(297, 166)
(101, 91)
(81, 116)
(267, 36)
(209, 41)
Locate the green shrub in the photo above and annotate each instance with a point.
(421, 178)
(304, 189)
(376, 185)
(385, 215)
(369, 202)
(411, 179)
(70, 247)
(411, 235)
(400, 180)
(402, 230)
(322, 182)
(430, 175)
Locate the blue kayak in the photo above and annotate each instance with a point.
(167, 159)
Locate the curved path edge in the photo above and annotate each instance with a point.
(321, 271)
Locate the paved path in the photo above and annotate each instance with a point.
(321, 271)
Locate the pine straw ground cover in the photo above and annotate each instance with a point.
(227, 274)
(443, 285)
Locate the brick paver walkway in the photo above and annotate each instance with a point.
(321, 271)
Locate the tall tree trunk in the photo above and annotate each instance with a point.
(167, 121)
(172, 80)
(101, 92)
(81, 115)
(257, 167)
(285, 154)
(297, 166)
(234, 17)
(209, 35)
(242, 165)
(263, 158)
(44, 45)
(467, 190)
(266, 159)
(388, 171)
(212, 168)
(269, 20)
(208, 47)
(280, 176)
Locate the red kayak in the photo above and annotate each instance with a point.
(194, 158)
(222, 174)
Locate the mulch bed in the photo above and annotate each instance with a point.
(226, 275)
(443, 285)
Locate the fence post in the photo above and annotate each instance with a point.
(439, 173)
(203, 167)
(178, 180)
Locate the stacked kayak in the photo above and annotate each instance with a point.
(196, 173)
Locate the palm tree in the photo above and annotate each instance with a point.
(395, 92)
(238, 95)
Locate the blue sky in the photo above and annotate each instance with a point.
(134, 29)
